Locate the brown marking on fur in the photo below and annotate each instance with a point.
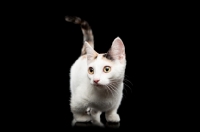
(96, 56)
(108, 56)
(86, 30)
(104, 58)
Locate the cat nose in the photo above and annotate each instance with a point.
(96, 81)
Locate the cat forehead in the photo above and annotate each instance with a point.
(101, 59)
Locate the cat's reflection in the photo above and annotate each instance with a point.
(83, 124)
(113, 125)
(87, 124)
(96, 124)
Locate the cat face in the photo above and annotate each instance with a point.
(104, 69)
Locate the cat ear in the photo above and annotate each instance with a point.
(117, 50)
(91, 53)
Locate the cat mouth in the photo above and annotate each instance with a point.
(97, 84)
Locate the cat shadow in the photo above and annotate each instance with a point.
(95, 124)
(113, 125)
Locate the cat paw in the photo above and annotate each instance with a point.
(98, 123)
(82, 117)
(113, 118)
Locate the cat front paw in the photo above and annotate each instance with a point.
(114, 117)
(82, 117)
(98, 123)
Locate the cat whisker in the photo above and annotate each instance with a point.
(126, 76)
(114, 83)
(113, 88)
(118, 92)
(126, 90)
(128, 81)
(106, 89)
(127, 86)
(109, 90)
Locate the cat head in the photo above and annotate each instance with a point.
(107, 68)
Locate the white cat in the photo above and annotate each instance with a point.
(96, 80)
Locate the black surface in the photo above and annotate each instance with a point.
(52, 45)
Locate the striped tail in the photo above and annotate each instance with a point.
(86, 30)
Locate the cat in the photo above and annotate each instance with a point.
(96, 79)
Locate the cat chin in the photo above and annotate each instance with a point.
(98, 85)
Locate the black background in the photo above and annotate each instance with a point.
(150, 32)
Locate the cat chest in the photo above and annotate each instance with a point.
(102, 105)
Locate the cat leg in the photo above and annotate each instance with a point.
(80, 113)
(112, 116)
(95, 115)
(81, 116)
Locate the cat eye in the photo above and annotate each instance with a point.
(107, 69)
(90, 70)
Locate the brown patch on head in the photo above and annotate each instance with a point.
(95, 56)
(104, 58)
(108, 56)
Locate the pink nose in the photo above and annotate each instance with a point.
(96, 81)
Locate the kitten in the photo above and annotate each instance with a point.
(96, 80)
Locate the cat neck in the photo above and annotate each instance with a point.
(108, 90)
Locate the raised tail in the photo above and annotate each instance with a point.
(86, 30)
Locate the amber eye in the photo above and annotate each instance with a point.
(107, 69)
(90, 70)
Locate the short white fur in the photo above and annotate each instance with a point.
(88, 99)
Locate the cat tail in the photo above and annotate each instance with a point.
(86, 30)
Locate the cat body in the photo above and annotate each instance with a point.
(93, 96)
(96, 80)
